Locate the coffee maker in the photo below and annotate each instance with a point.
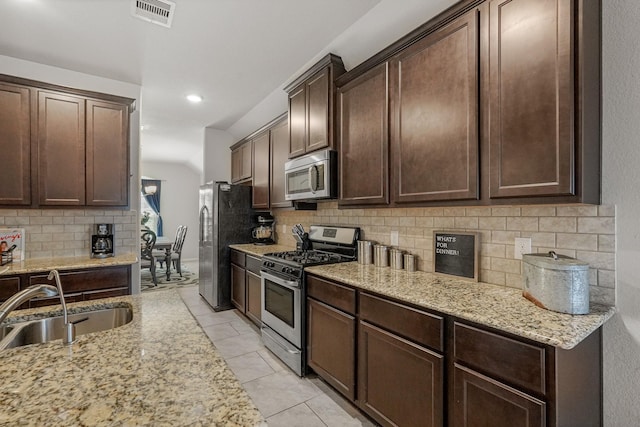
(264, 232)
(102, 241)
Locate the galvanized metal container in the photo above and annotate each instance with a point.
(365, 252)
(396, 259)
(556, 282)
(381, 256)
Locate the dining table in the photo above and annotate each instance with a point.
(165, 243)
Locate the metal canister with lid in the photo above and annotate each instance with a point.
(556, 282)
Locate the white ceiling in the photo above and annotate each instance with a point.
(237, 54)
(232, 52)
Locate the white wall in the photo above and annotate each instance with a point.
(216, 155)
(621, 185)
(178, 201)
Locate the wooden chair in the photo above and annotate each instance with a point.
(147, 260)
(176, 250)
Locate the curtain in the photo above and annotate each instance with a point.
(153, 200)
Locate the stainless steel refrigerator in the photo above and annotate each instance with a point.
(226, 217)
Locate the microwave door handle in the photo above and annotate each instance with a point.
(313, 178)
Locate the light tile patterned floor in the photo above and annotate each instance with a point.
(283, 398)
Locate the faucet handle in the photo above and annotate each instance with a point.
(69, 334)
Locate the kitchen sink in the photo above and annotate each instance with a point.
(53, 328)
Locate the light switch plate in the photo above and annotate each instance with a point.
(394, 238)
(522, 246)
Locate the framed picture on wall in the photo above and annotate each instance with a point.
(12, 240)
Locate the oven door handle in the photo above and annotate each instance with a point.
(293, 284)
(265, 330)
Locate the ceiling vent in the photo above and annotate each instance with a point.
(156, 11)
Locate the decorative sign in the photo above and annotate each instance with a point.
(12, 239)
(456, 254)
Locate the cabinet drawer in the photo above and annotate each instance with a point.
(253, 264)
(8, 287)
(416, 325)
(87, 280)
(335, 295)
(514, 362)
(238, 258)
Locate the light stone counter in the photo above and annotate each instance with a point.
(158, 370)
(499, 307)
(66, 263)
(259, 250)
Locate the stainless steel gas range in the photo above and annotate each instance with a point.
(284, 293)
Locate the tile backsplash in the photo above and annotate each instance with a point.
(67, 232)
(586, 232)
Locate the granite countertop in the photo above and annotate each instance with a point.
(495, 306)
(66, 263)
(158, 370)
(259, 250)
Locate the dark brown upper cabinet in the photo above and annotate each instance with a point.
(61, 149)
(107, 138)
(492, 102)
(258, 160)
(241, 161)
(279, 156)
(536, 93)
(15, 145)
(64, 147)
(260, 187)
(434, 123)
(362, 112)
(311, 107)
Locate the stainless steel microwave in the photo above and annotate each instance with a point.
(312, 176)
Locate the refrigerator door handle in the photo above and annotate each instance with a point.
(204, 223)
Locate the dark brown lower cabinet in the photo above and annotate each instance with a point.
(238, 287)
(399, 382)
(483, 401)
(254, 297)
(77, 285)
(246, 285)
(414, 367)
(331, 346)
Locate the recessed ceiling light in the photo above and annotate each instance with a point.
(194, 98)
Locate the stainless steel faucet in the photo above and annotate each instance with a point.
(69, 328)
(24, 295)
(41, 290)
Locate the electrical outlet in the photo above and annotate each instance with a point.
(394, 238)
(522, 246)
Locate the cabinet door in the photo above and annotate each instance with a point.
(236, 165)
(61, 149)
(9, 286)
(279, 156)
(260, 187)
(15, 145)
(107, 154)
(331, 346)
(531, 98)
(254, 298)
(482, 401)
(318, 119)
(247, 160)
(399, 382)
(434, 122)
(364, 139)
(297, 121)
(238, 287)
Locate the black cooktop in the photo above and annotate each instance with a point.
(306, 258)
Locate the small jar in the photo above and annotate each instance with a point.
(396, 259)
(410, 262)
(381, 256)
